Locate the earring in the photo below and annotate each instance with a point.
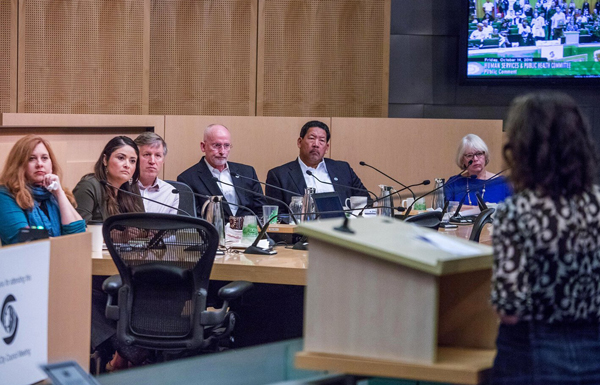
(130, 181)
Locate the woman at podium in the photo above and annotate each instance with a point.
(31, 195)
(546, 272)
(472, 157)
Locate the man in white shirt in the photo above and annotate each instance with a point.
(487, 29)
(488, 8)
(216, 146)
(479, 33)
(153, 151)
(558, 22)
(329, 175)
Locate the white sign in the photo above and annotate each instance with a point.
(24, 300)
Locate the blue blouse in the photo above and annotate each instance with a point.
(492, 191)
(13, 218)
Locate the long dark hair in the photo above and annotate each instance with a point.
(119, 203)
(549, 147)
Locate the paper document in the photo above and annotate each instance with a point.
(449, 245)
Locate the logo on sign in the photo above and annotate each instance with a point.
(9, 319)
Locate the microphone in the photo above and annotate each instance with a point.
(456, 216)
(399, 208)
(430, 192)
(253, 248)
(106, 183)
(466, 167)
(308, 172)
(271, 242)
(424, 183)
(256, 193)
(236, 175)
(389, 177)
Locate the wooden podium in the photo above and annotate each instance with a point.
(70, 299)
(397, 300)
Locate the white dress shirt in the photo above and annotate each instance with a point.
(321, 173)
(227, 190)
(160, 191)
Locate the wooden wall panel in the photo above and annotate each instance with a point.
(262, 142)
(83, 56)
(410, 150)
(8, 55)
(323, 57)
(77, 140)
(203, 57)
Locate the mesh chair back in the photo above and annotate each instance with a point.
(187, 200)
(165, 263)
(482, 219)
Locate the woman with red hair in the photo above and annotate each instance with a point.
(31, 193)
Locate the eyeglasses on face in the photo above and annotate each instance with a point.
(478, 154)
(219, 146)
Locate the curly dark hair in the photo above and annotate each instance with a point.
(549, 146)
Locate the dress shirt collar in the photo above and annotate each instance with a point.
(153, 187)
(215, 171)
(320, 167)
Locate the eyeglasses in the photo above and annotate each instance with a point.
(219, 146)
(478, 154)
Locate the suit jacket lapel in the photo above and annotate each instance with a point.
(332, 170)
(213, 189)
(238, 182)
(296, 176)
(206, 177)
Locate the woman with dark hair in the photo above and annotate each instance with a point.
(98, 195)
(546, 274)
(31, 194)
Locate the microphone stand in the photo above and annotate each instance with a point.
(434, 190)
(308, 172)
(106, 183)
(256, 193)
(271, 242)
(424, 183)
(389, 177)
(236, 175)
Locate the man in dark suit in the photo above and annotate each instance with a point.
(337, 175)
(216, 146)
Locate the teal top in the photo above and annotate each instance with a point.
(13, 218)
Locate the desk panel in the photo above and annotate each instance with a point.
(287, 267)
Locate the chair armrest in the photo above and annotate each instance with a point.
(234, 290)
(112, 284)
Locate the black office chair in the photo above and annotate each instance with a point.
(164, 263)
(429, 219)
(482, 219)
(187, 201)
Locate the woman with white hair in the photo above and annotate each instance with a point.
(472, 158)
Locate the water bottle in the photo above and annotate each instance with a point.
(308, 204)
(438, 195)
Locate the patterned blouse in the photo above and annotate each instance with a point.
(547, 257)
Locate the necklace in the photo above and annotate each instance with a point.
(468, 191)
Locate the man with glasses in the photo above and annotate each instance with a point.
(472, 158)
(329, 175)
(216, 146)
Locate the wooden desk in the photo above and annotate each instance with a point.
(287, 267)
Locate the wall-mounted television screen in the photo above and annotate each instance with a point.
(546, 40)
